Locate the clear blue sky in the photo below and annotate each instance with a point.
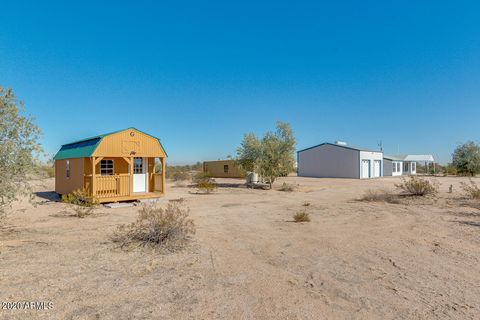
(199, 74)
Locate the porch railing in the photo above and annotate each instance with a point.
(117, 185)
(157, 182)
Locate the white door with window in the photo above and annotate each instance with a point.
(365, 169)
(376, 168)
(140, 175)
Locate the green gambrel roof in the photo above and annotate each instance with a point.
(86, 147)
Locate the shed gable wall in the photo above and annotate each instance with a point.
(129, 143)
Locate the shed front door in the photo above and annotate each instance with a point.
(139, 175)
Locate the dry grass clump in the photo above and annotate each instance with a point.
(287, 187)
(418, 187)
(301, 216)
(179, 200)
(83, 203)
(382, 195)
(471, 189)
(168, 228)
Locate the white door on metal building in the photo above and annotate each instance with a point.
(365, 169)
(376, 168)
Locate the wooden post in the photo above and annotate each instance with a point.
(94, 190)
(163, 175)
(131, 175)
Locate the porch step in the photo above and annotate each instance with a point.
(151, 200)
(115, 205)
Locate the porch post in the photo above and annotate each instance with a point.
(131, 175)
(94, 187)
(163, 175)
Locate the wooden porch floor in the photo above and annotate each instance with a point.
(135, 196)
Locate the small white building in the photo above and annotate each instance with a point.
(339, 160)
(405, 165)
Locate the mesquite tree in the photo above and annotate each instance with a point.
(466, 158)
(18, 148)
(272, 156)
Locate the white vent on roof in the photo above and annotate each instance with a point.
(341, 143)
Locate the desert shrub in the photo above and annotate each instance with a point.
(471, 189)
(83, 203)
(45, 170)
(418, 186)
(379, 196)
(168, 227)
(450, 170)
(172, 171)
(181, 183)
(206, 187)
(201, 177)
(306, 204)
(287, 187)
(180, 176)
(204, 183)
(301, 216)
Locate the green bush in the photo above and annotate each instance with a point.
(418, 187)
(471, 189)
(83, 203)
(168, 228)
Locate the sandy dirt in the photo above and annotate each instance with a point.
(419, 259)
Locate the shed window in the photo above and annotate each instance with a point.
(405, 167)
(67, 168)
(225, 168)
(394, 167)
(106, 167)
(414, 166)
(399, 166)
(137, 165)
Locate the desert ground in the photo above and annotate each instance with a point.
(418, 259)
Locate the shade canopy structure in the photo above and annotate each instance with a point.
(419, 158)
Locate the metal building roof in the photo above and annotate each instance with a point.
(340, 146)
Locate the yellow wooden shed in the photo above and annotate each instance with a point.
(223, 169)
(118, 166)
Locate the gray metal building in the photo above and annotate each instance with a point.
(338, 160)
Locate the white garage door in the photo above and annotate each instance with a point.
(376, 168)
(365, 168)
